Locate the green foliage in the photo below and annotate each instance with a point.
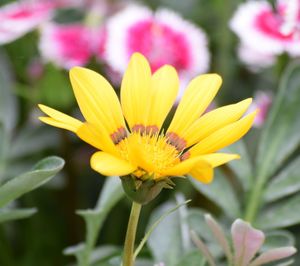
(15, 214)
(8, 103)
(42, 173)
(55, 89)
(170, 238)
(280, 137)
(275, 161)
(268, 179)
(226, 198)
(111, 193)
(287, 182)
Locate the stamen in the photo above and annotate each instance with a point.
(139, 128)
(152, 130)
(118, 135)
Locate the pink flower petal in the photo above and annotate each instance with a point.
(262, 100)
(163, 37)
(246, 241)
(273, 255)
(19, 18)
(66, 45)
(267, 31)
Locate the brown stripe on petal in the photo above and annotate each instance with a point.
(139, 128)
(152, 130)
(118, 135)
(176, 141)
(185, 156)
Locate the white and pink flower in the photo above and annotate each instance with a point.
(19, 18)
(163, 37)
(266, 31)
(255, 60)
(66, 45)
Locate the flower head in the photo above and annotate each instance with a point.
(266, 31)
(19, 18)
(140, 147)
(163, 37)
(66, 45)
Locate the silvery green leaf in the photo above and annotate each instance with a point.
(282, 214)
(280, 137)
(242, 168)
(15, 214)
(8, 103)
(221, 193)
(41, 173)
(285, 183)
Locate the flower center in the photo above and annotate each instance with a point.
(153, 153)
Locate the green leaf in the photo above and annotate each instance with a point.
(32, 140)
(166, 241)
(104, 253)
(15, 214)
(286, 183)
(277, 239)
(111, 193)
(221, 193)
(282, 214)
(155, 224)
(4, 147)
(42, 173)
(193, 258)
(8, 103)
(280, 137)
(197, 224)
(243, 167)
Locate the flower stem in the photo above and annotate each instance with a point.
(128, 257)
(254, 200)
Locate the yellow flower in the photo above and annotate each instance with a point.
(139, 146)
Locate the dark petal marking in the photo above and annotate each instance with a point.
(118, 135)
(176, 141)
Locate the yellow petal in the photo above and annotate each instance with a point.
(185, 167)
(97, 138)
(215, 120)
(96, 98)
(203, 174)
(109, 165)
(224, 136)
(59, 119)
(198, 95)
(135, 90)
(164, 88)
(217, 159)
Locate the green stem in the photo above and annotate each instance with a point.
(254, 200)
(128, 257)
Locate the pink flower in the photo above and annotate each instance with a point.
(262, 101)
(163, 37)
(100, 37)
(268, 32)
(19, 18)
(255, 60)
(66, 45)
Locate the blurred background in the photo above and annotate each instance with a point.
(41, 40)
